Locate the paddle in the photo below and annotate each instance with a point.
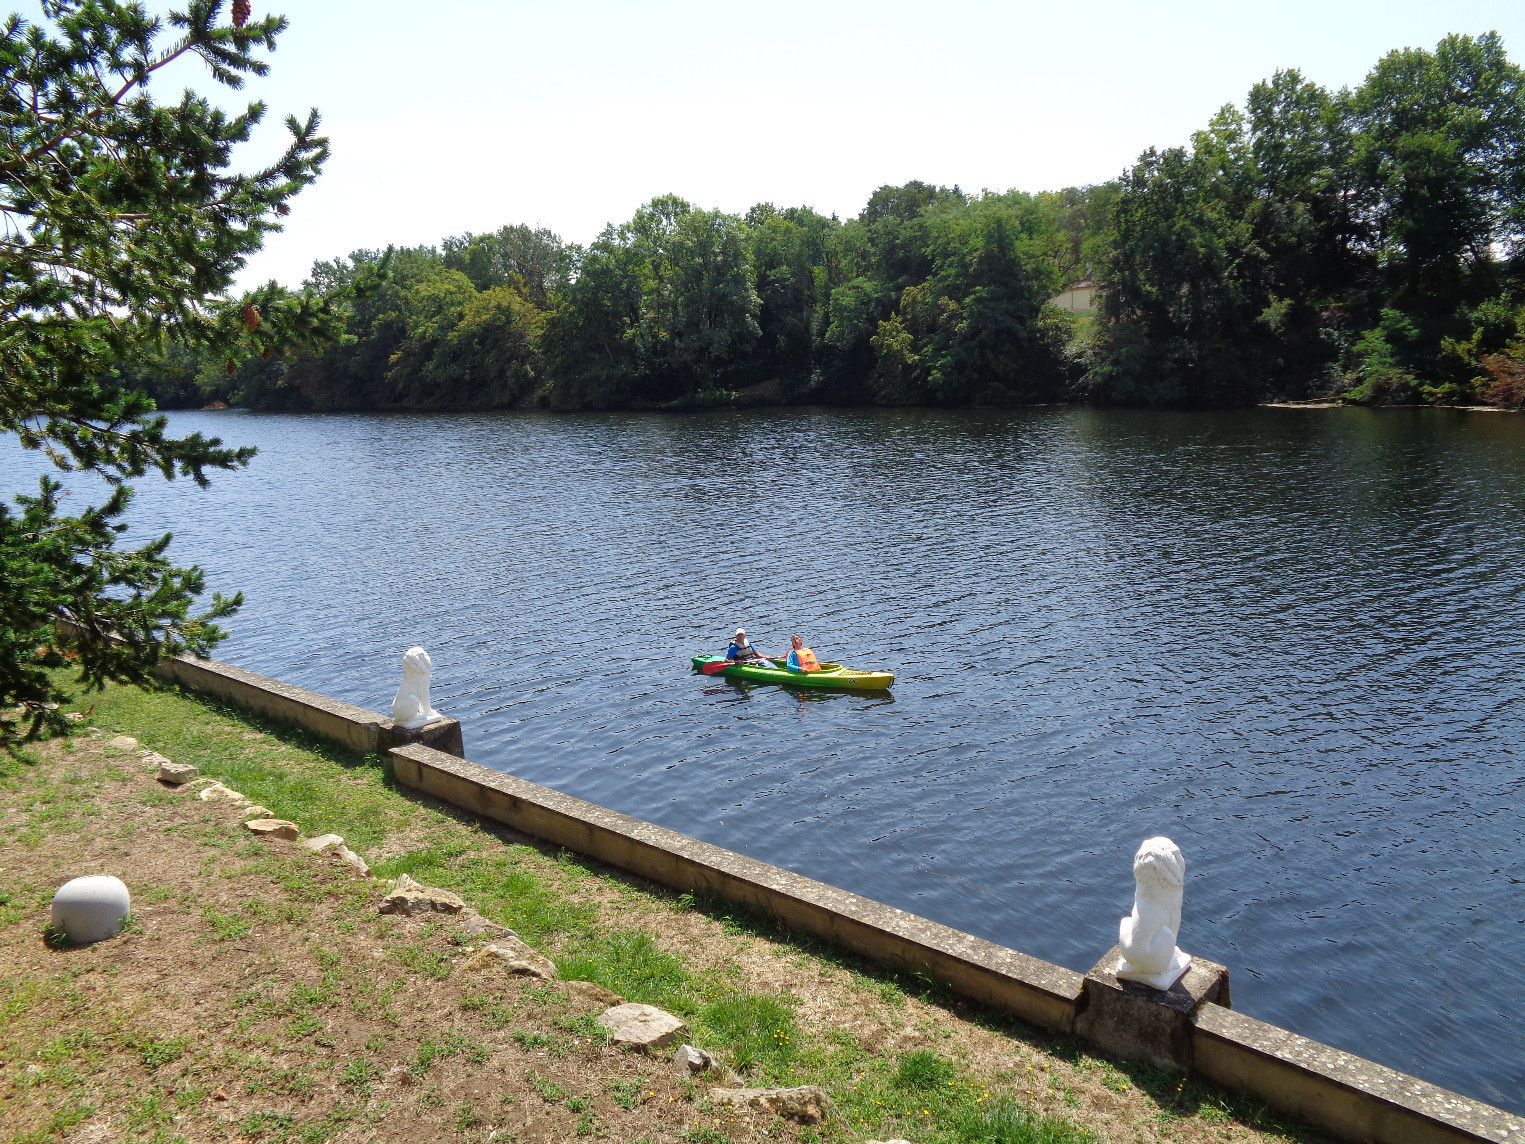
(715, 666)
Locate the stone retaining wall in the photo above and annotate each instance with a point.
(1331, 1090)
(1334, 1091)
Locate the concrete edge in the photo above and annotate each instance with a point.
(1337, 1091)
(1039, 993)
(356, 728)
(1332, 1090)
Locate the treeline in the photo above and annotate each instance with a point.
(1364, 244)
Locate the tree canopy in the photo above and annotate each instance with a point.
(124, 225)
(1362, 244)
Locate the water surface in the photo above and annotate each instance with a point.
(1290, 639)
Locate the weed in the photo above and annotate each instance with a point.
(1004, 1121)
(625, 1093)
(226, 927)
(258, 1124)
(922, 1071)
(585, 1124)
(577, 1103)
(632, 964)
(549, 1090)
(359, 1075)
(466, 1118)
(757, 1028)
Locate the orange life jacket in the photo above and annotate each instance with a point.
(808, 661)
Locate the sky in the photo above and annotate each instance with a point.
(464, 115)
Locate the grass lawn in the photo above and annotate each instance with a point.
(259, 995)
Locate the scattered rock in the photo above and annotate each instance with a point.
(807, 1104)
(411, 899)
(592, 991)
(216, 792)
(175, 774)
(122, 743)
(274, 828)
(74, 717)
(321, 842)
(345, 854)
(691, 1061)
(512, 956)
(478, 926)
(897, 1140)
(641, 1026)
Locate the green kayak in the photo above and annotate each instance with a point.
(830, 675)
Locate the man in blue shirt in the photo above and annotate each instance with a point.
(742, 651)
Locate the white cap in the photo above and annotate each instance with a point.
(741, 631)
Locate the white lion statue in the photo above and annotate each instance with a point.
(1148, 935)
(410, 708)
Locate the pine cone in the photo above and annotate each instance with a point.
(265, 356)
(240, 13)
(251, 317)
(282, 209)
(230, 367)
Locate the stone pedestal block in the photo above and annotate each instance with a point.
(444, 735)
(1130, 1020)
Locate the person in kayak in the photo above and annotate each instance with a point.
(742, 651)
(801, 658)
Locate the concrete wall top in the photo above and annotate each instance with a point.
(1339, 1091)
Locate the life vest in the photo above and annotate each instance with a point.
(807, 659)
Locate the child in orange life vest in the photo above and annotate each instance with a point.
(801, 658)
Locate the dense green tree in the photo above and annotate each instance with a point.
(1355, 242)
(793, 255)
(976, 328)
(662, 307)
(534, 256)
(124, 227)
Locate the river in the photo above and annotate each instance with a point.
(1292, 640)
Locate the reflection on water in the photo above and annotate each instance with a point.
(1289, 639)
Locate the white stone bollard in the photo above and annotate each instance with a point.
(1148, 935)
(410, 707)
(91, 908)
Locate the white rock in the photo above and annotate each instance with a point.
(219, 793)
(411, 899)
(512, 956)
(123, 743)
(641, 1026)
(74, 717)
(478, 926)
(897, 1140)
(273, 828)
(410, 706)
(321, 842)
(345, 854)
(255, 811)
(175, 773)
(806, 1104)
(1148, 935)
(691, 1061)
(91, 908)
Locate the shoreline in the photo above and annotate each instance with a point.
(215, 912)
